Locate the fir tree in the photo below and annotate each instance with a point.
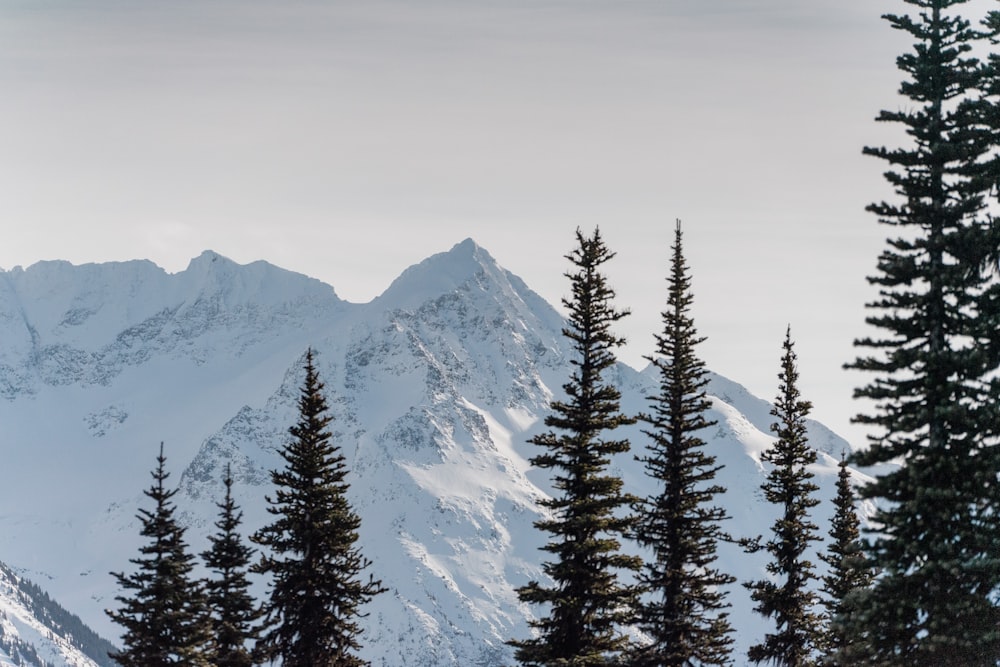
(682, 608)
(162, 608)
(848, 571)
(935, 538)
(587, 603)
(787, 597)
(316, 589)
(233, 613)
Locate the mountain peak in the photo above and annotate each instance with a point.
(257, 281)
(436, 392)
(440, 274)
(209, 260)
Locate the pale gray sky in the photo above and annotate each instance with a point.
(349, 139)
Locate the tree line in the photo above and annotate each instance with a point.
(920, 587)
(313, 608)
(312, 614)
(675, 595)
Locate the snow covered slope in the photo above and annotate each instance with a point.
(34, 630)
(435, 386)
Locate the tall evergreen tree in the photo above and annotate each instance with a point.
(162, 607)
(788, 598)
(233, 612)
(683, 603)
(936, 536)
(587, 603)
(848, 570)
(315, 565)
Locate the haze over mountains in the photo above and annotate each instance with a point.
(435, 387)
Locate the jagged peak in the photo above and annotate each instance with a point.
(207, 258)
(440, 274)
(258, 280)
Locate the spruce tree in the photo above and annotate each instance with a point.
(233, 612)
(787, 597)
(315, 565)
(587, 604)
(848, 571)
(935, 538)
(162, 607)
(681, 610)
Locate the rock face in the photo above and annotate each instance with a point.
(435, 387)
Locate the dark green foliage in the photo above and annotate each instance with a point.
(787, 597)
(59, 621)
(315, 566)
(848, 573)
(162, 608)
(681, 608)
(21, 653)
(936, 539)
(233, 613)
(586, 604)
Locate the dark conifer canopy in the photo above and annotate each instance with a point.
(787, 596)
(587, 604)
(932, 365)
(233, 613)
(848, 575)
(162, 608)
(682, 607)
(311, 554)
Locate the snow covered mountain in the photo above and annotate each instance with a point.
(34, 630)
(435, 386)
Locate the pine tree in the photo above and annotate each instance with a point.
(587, 603)
(233, 612)
(848, 571)
(162, 608)
(682, 608)
(790, 599)
(315, 565)
(936, 534)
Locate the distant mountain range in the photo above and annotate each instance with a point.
(435, 387)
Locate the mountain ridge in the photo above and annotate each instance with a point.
(435, 386)
(34, 630)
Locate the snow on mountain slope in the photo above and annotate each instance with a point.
(36, 631)
(435, 387)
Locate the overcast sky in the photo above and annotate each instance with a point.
(349, 139)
